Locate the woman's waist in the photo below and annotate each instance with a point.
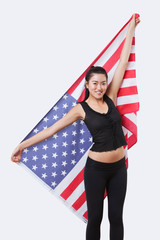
(108, 156)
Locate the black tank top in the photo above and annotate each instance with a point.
(105, 128)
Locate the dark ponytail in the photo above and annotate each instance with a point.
(90, 73)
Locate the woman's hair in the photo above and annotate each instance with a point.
(90, 73)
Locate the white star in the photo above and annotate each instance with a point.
(45, 119)
(82, 131)
(34, 167)
(65, 134)
(74, 133)
(35, 158)
(35, 149)
(55, 135)
(55, 108)
(64, 144)
(44, 166)
(64, 154)
(82, 150)
(54, 174)
(73, 161)
(35, 130)
(74, 104)
(54, 164)
(65, 105)
(25, 159)
(44, 175)
(73, 152)
(54, 145)
(63, 173)
(45, 127)
(64, 163)
(81, 122)
(82, 140)
(54, 155)
(74, 142)
(53, 184)
(25, 150)
(74, 123)
(90, 139)
(65, 96)
(45, 147)
(55, 117)
(64, 114)
(44, 156)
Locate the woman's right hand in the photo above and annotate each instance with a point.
(16, 155)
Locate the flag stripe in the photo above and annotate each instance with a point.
(127, 91)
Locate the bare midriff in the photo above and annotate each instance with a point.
(108, 156)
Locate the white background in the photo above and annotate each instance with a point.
(45, 46)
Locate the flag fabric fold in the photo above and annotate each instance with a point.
(59, 161)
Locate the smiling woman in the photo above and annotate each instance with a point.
(105, 165)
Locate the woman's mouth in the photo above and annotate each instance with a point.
(99, 93)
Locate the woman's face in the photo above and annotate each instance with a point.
(97, 85)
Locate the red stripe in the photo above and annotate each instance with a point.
(128, 108)
(131, 141)
(85, 215)
(125, 91)
(73, 185)
(131, 57)
(131, 126)
(130, 74)
(133, 41)
(82, 96)
(80, 201)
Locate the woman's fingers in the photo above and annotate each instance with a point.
(16, 155)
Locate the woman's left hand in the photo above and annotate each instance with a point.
(135, 21)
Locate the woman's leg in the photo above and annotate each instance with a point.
(95, 182)
(116, 191)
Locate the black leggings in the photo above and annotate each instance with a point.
(97, 177)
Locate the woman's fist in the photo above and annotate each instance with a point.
(16, 155)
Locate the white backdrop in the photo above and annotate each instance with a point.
(45, 46)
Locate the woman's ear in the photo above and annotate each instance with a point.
(86, 84)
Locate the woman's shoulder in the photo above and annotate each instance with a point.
(80, 108)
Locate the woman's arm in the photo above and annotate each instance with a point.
(116, 82)
(73, 115)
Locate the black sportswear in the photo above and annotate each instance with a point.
(105, 128)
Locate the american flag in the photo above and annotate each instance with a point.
(59, 161)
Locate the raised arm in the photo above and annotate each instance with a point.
(74, 114)
(116, 82)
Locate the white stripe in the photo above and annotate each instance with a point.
(129, 134)
(129, 82)
(130, 66)
(132, 49)
(132, 117)
(127, 99)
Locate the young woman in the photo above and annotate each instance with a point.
(105, 166)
